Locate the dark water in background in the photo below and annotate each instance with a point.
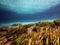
(7, 16)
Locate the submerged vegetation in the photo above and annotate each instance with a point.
(42, 33)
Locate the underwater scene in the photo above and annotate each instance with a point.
(29, 22)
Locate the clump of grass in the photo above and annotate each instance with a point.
(17, 42)
(46, 34)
